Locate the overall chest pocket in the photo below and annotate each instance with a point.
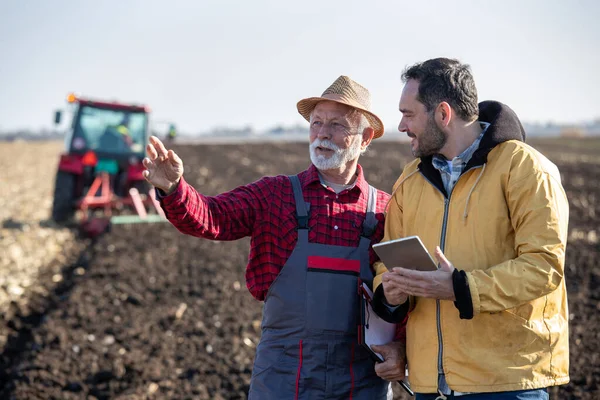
(332, 294)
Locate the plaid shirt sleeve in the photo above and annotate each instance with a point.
(228, 216)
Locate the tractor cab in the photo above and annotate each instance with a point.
(110, 130)
(102, 162)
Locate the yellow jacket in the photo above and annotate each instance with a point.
(505, 225)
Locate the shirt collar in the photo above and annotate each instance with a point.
(466, 155)
(312, 176)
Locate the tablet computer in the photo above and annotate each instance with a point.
(408, 252)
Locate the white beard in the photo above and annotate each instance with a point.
(338, 159)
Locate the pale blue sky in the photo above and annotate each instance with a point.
(215, 63)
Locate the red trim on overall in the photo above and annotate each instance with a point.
(351, 372)
(298, 374)
(335, 264)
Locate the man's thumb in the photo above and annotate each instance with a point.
(444, 263)
(378, 349)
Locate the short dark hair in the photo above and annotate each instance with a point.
(445, 79)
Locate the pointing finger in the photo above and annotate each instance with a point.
(159, 146)
(410, 273)
(151, 151)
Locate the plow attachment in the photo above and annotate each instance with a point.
(132, 209)
(142, 216)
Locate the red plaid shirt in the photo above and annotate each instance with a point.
(265, 210)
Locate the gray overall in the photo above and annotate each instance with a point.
(308, 348)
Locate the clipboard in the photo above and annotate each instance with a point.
(373, 330)
(408, 252)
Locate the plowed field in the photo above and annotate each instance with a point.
(144, 312)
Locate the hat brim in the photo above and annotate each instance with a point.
(306, 107)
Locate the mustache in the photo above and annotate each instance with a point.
(411, 135)
(325, 143)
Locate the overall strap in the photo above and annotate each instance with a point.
(370, 222)
(301, 208)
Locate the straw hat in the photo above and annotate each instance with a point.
(345, 91)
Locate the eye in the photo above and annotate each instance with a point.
(316, 123)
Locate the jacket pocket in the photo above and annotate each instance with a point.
(509, 334)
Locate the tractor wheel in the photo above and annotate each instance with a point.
(64, 190)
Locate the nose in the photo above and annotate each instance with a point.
(402, 127)
(324, 132)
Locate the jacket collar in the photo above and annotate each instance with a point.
(504, 126)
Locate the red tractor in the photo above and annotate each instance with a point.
(100, 173)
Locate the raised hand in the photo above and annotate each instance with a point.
(164, 168)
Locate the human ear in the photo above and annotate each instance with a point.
(443, 114)
(367, 136)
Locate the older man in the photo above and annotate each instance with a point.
(311, 243)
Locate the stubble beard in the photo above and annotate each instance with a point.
(431, 141)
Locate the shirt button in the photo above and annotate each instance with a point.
(337, 197)
(335, 227)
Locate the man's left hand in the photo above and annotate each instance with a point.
(432, 284)
(394, 365)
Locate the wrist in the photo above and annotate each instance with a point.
(397, 301)
(172, 187)
(393, 314)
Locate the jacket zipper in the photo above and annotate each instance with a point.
(443, 247)
(437, 301)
